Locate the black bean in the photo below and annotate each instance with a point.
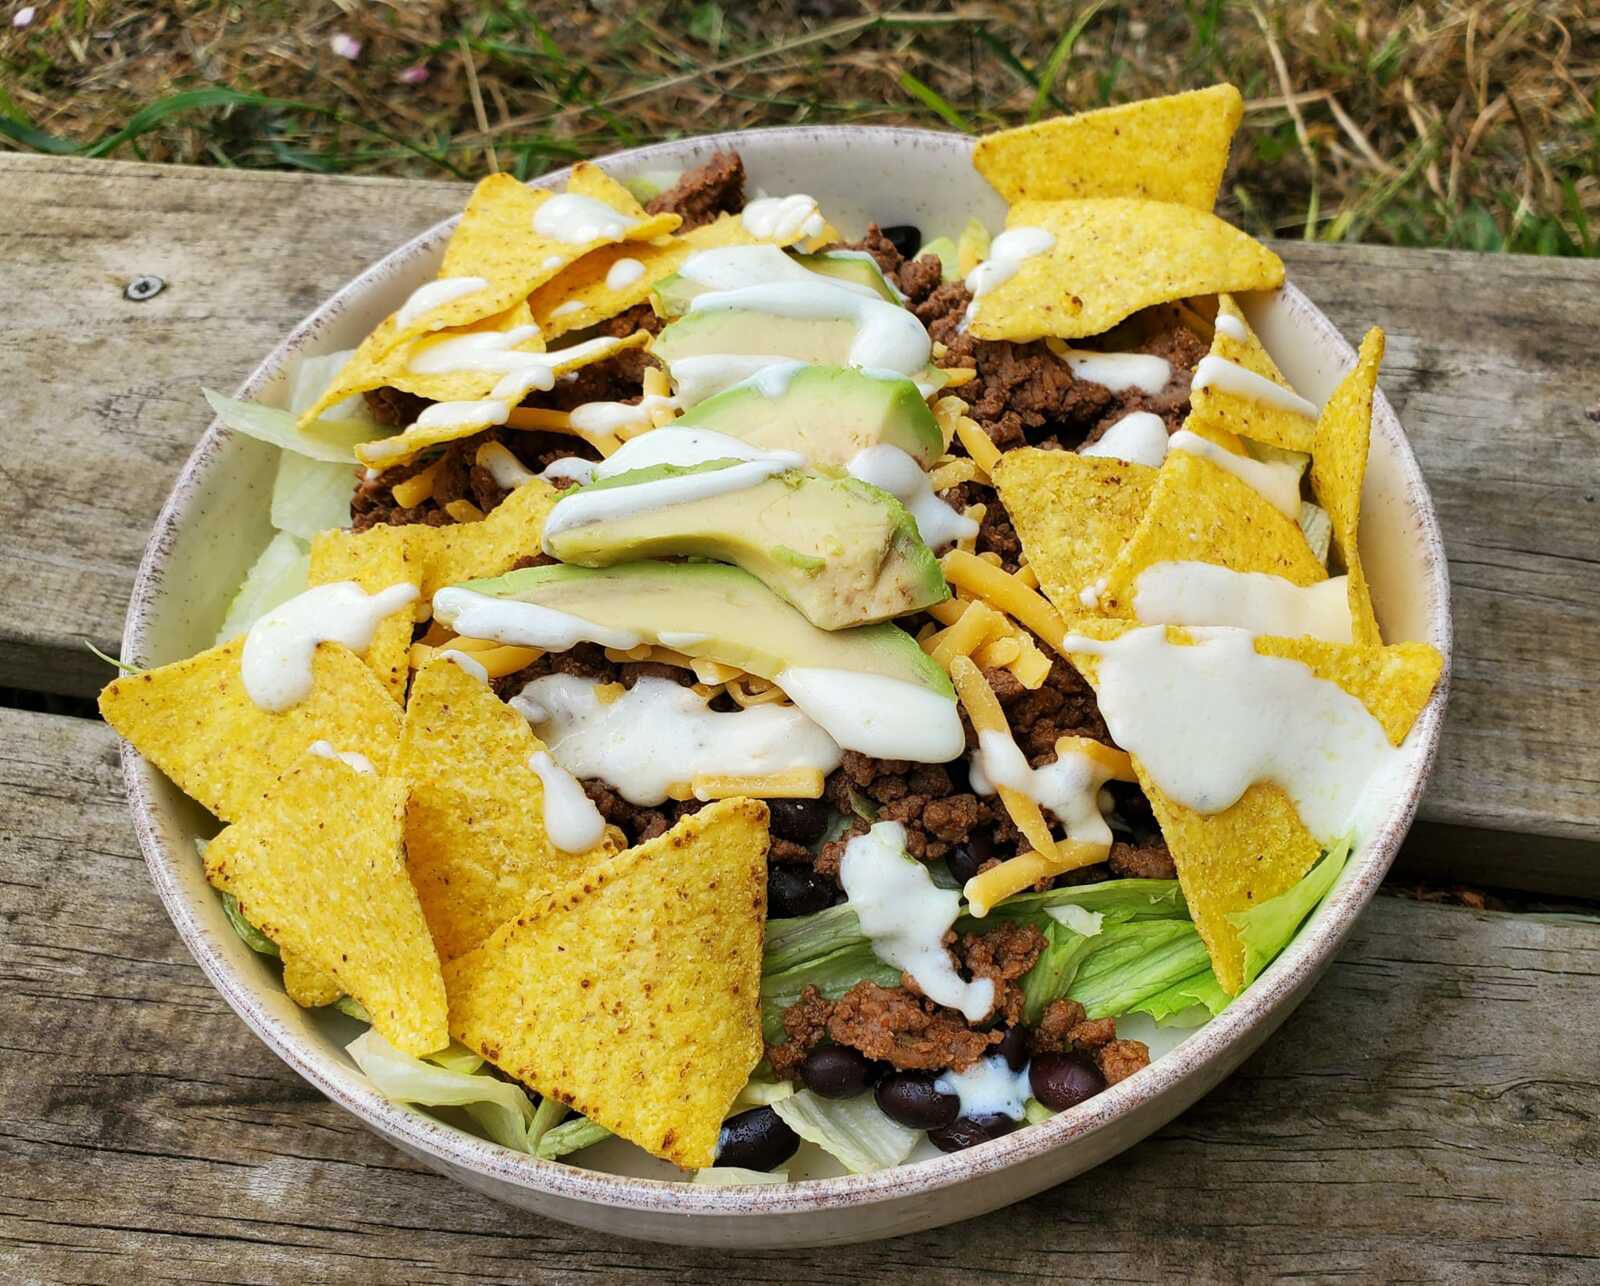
(837, 1071)
(756, 1140)
(905, 237)
(910, 1099)
(965, 858)
(1014, 1045)
(1061, 1081)
(797, 890)
(804, 821)
(969, 1131)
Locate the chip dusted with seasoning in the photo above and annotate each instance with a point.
(1073, 513)
(469, 550)
(1158, 149)
(1339, 468)
(194, 720)
(318, 865)
(1110, 257)
(1201, 513)
(632, 994)
(1230, 401)
(476, 844)
(374, 559)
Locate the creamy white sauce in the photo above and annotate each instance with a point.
(537, 370)
(552, 262)
(989, 1087)
(1231, 326)
(697, 378)
(612, 417)
(353, 758)
(895, 471)
(1089, 595)
(568, 467)
(772, 382)
(276, 662)
(568, 308)
(687, 447)
(659, 734)
(1229, 377)
(1278, 481)
(623, 274)
(462, 415)
(1139, 437)
(489, 351)
(465, 662)
(571, 821)
(506, 470)
(1069, 788)
(577, 220)
(435, 294)
(1007, 253)
(876, 715)
(1191, 593)
(1120, 371)
(1207, 721)
(584, 508)
(783, 218)
(735, 267)
(509, 620)
(906, 915)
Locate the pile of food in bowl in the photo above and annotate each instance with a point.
(735, 690)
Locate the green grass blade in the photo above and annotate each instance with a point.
(934, 102)
(1059, 57)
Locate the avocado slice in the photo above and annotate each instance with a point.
(724, 614)
(737, 266)
(826, 413)
(854, 266)
(841, 551)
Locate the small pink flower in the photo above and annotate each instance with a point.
(24, 17)
(415, 75)
(345, 46)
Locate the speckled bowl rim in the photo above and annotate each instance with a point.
(1205, 1049)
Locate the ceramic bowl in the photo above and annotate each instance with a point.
(216, 521)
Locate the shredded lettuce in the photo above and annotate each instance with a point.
(761, 1093)
(1076, 918)
(1117, 899)
(1055, 970)
(311, 380)
(277, 575)
(310, 496)
(332, 441)
(576, 1134)
(549, 1114)
(1033, 1111)
(810, 937)
(1187, 1003)
(1130, 962)
(727, 1176)
(252, 936)
(852, 1130)
(350, 1007)
(1317, 527)
(1266, 929)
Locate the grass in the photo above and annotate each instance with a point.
(1472, 125)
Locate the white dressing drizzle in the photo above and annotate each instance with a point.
(906, 915)
(568, 308)
(577, 220)
(276, 662)
(1208, 720)
(1139, 437)
(509, 620)
(571, 820)
(1007, 253)
(435, 294)
(353, 758)
(735, 267)
(1120, 371)
(571, 466)
(1190, 593)
(988, 1088)
(613, 417)
(1231, 326)
(490, 351)
(1278, 481)
(897, 472)
(464, 414)
(465, 662)
(537, 370)
(506, 470)
(671, 445)
(1229, 377)
(1069, 787)
(659, 734)
(623, 274)
(876, 715)
(783, 218)
(706, 375)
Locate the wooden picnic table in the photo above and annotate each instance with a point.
(1431, 1113)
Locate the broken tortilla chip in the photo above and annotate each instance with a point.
(1199, 512)
(1073, 513)
(318, 865)
(308, 986)
(1394, 681)
(1339, 468)
(633, 993)
(1158, 149)
(476, 844)
(470, 550)
(194, 721)
(1111, 257)
(1215, 411)
(374, 559)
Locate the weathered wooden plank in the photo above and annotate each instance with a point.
(1431, 1113)
(1491, 364)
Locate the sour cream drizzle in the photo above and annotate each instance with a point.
(1120, 371)
(689, 446)
(895, 471)
(1139, 437)
(276, 662)
(435, 294)
(490, 351)
(1208, 720)
(876, 715)
(353, 758)
(1069, 788)
(783, 218)
(506, 470)
(1278, 481)
(577, 220)
(736, 267)
(906, 915)
(1007, 253)
(609, 417)
(571, 820)
(623, 274)
(988, 1087)
(509, 620)
(1231, 326)
(1192, 593)
(1229, 377)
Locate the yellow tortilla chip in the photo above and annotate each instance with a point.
(1393, 681)
(1201, 513)
(382, 452)
(1158, 149)
(1214, 412)
(308, 986)
(469, 550)
(195, 722)
(374, 559)
(1073, 513)
(476, 844)
(633, 993)
(318, 865)
(1339, 468)
(1113, 256)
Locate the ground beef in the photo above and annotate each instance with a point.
(638, 822)
(1064, 706)
(918, 279)
(1183, 349)
(392, 408)
(1024, 393)
(806, 1024)
(703, 193)
(883, 251)
(1058, 1019)
(937, 809)
(1150, 861)
(909, 1033)
(1120, 1059)
(943, 309)
(996, 535)
(1003, 954)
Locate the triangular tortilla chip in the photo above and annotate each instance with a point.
(1201, 513)
(1393, 681)
(1160, 149)
(1339, 468)
(195, 722)
(1113, 256)
(1214, 412)
(374, 560)
(308, 986)
(318, 865)
(469, 550)
(633, 993)
(476, 844)
(1073, 513)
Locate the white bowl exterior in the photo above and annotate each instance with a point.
(216, 521)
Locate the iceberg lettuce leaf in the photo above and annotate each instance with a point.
(501, 1110)
(333, 441)
(573, 1136)
(281, 572)
(854, 1131)
(1266, 929)
(1187, 1003)
(310, 496)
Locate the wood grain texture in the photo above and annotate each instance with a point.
(1491, 365)
(1432, 1113)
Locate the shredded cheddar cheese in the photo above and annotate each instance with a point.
(982, 707)
(796, 783)
(417, 488)
(538, 417)
(1007, 593)
(986, 891)
(464, 511)
(497, 660)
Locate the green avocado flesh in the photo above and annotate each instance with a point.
(674, 294)
(827, 414)
(858, 269)
(843, 552)
(742, 332)
(720, 613)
